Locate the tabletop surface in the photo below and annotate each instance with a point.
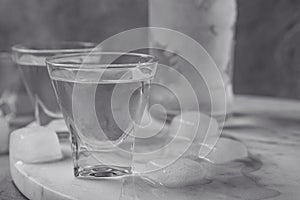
(275, 133)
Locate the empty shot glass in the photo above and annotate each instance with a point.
(31, 61)
(102, 97)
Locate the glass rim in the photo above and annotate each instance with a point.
(35, 49)
(50, 61)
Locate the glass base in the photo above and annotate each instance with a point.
(101, 171)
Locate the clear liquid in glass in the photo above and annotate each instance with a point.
(102, 131)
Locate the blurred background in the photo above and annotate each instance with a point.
(267, 52)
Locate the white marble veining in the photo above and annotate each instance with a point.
(268, 170)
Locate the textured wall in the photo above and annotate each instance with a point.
(268, 34)
(88, 20)
(268, 48)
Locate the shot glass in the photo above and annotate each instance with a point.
(14, 102)
(102, 97)
(31, 61)
(9, 85)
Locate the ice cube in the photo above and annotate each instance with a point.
(4, 135)
(194, 125)
(227, 150)
(201, 130)
(183, 172)
(34, 144)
